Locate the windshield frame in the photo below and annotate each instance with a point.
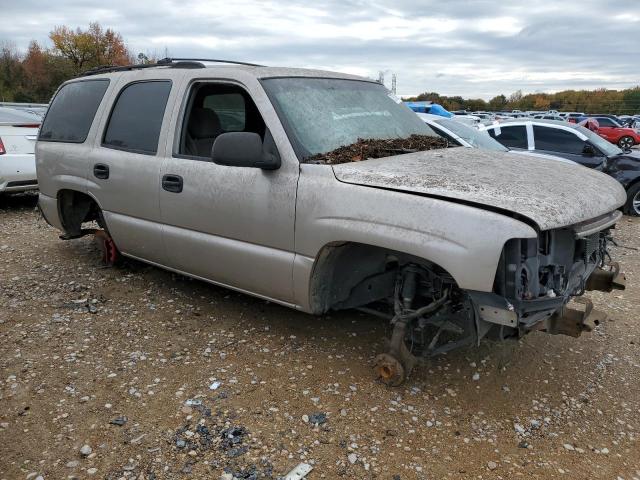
(299, 149)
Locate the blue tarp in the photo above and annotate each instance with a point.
(428, 107)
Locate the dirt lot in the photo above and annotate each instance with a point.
(82, 347)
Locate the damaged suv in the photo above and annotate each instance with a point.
(264, 180)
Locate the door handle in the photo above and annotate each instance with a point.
(100, 170)
(172, 183)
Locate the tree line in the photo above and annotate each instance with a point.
(34, 76)
(602, 100)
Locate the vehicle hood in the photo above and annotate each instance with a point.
(550, 193)
(633, 155)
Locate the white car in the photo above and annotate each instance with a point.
(470, 120)
(471, 138)
(18, 134)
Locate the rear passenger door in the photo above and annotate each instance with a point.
(556, 141)
(229, 225)
(124, 166)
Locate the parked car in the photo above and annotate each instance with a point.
(37, 109)
(461, 241)
(18, 133)
(549, 117)
(610, 129)
(571, 117)
(462, 135)
(466, 119)
(578, 144)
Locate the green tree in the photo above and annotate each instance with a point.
(90, 48)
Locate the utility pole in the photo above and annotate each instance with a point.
(381, 77)
(393, 83)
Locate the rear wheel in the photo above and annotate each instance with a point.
(626, 142)
(632, 207)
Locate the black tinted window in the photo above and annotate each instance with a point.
(556, 140)
(71, 113)
(136, 118)
(606, 122)
(512, 137)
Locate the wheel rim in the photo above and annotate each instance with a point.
(626, 142)
(635, 203)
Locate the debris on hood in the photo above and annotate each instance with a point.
(378, 148)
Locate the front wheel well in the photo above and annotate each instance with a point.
(76, 208)
(348, 275)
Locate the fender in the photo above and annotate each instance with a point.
(464, 240)
(624, 169)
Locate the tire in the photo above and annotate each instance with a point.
(632, 207)
(626, 142)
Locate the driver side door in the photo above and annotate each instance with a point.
(233, 226)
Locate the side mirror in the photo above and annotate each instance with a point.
(589, 151)
(242, 149)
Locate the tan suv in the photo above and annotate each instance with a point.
(216, 171)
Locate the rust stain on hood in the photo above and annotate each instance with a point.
(552, 194)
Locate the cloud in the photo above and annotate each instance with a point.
(475, 49)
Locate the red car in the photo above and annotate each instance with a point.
(612, 131)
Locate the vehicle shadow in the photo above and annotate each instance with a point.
(18, 201)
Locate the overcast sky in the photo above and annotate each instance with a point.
(475, 48)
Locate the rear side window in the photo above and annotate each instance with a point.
(136, 118)
(71, 113)
(557, 140)
(512, 137)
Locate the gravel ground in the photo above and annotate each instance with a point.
(134, 372)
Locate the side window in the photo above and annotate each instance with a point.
(213, 109)
(136, 117)
(605, 122)
(71, 112)
(557, 140)
(230, 108)
(512, 137)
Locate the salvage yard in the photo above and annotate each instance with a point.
(135, 372)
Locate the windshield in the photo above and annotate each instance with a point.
(472, 136)
(609, 149)
(322, 114)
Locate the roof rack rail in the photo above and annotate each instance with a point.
(163, 62)
(168, 61)
(116, 68)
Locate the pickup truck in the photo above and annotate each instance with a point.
(229, 173)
